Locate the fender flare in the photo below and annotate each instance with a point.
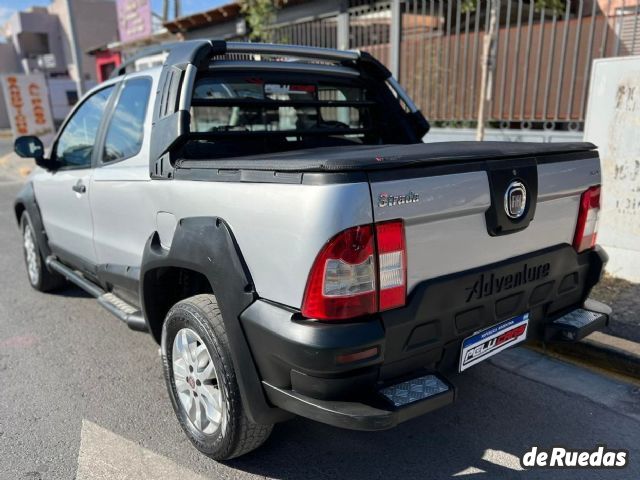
(206, 245)
(26, 201)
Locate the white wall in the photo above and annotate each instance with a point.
(613, 123)
(58, 94)
(96, 24)
(8, 64)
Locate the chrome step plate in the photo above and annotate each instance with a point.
(119, 304)
(414, 390)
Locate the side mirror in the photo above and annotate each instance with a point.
(30, 146)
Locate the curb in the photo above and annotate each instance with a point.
(604, 351)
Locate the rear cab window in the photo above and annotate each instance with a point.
(243, 113)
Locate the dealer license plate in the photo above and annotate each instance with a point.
(486, 343)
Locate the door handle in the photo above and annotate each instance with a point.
(79, 187)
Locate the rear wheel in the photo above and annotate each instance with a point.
(38, 274)
(202, 383)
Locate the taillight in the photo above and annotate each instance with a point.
(343, 282)
(393, 264)
(587, 225)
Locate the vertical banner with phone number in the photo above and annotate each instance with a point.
(26, 98)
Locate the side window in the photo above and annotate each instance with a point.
(125, 132)
(75, 144)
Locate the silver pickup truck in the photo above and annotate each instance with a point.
(271, 216)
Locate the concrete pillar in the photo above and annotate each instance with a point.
(396, 37)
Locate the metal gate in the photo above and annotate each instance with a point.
(542, 63)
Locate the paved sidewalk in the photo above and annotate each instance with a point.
(624, 298)
(14, 168)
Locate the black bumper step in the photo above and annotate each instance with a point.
(573, 326)
(390, 406)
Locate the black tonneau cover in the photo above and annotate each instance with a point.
(380, 157)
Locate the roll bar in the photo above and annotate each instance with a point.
(171, 116)
(292, 51)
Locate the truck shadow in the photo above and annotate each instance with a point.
(499, 417)
(71, 291)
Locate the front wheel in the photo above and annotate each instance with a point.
(38, 274)
(202, 383)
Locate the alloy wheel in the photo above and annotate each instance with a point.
(196, 382)
(31, 255)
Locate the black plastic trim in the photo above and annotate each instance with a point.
(319, 178)
(267, 176)
(569, 333)
(123, 276)
(171, 125)
(26, 199)
(145, 52)
(206, 245)
(501, 173)
(392, 161)
(354, 415)
(450, 308)
(293, 353)
(372, 66)
(436, 169)
(207, 172)
(76, 261)
(290, 349)
(568, 156)
(74, 277)
(134, 320)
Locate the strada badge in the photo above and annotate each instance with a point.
(386, 200)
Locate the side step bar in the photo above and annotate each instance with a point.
(118, 307)
(573, 326)
(388, 407)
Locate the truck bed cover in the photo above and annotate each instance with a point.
(381, 157)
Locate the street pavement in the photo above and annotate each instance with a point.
(82, 396)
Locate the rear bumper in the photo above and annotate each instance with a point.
(301, 362)
(374, 413)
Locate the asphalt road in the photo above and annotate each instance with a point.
(82, 396)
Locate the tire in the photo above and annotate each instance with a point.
(197, 322)
(39, 276)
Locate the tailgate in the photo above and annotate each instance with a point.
(462, 216)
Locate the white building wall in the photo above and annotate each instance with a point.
(8, 63)
(613, 123)
(96, 24)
